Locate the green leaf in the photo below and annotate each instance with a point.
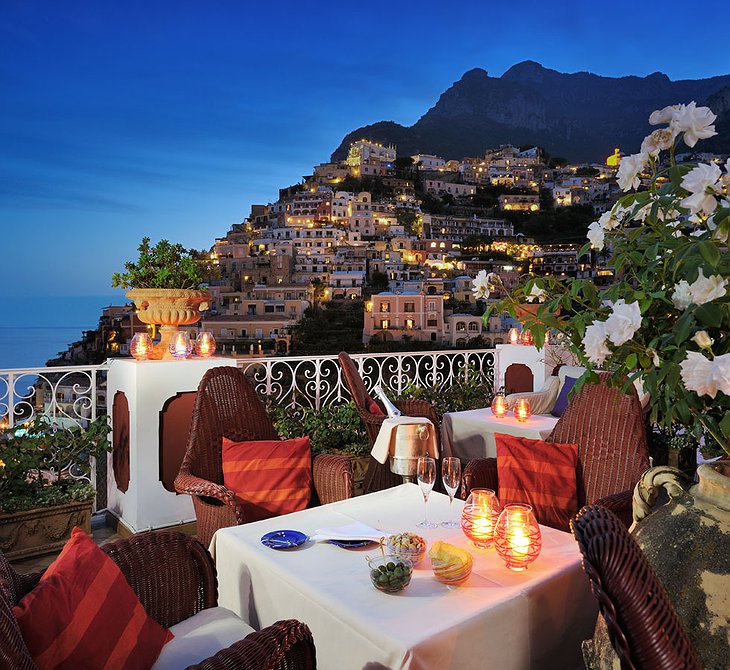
(725, 425)
(709, 314)
(710, 253)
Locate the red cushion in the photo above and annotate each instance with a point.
(270, 477)
(374, 408)
(84, 614)
(542, 474)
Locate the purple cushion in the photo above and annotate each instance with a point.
(562, 402)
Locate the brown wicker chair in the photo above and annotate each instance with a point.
(227, 405)
(608, 427)
(378, 475)
(174, 577)
(643, 626)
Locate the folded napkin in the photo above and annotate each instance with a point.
(352, 531)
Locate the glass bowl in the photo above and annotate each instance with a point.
(451, 565)
(407, 546)
(390, 573)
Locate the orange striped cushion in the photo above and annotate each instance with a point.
(84, 614)
(542, 474)
(270, 477)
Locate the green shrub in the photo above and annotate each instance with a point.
(456, 395)
(331, 428)
(40, 465)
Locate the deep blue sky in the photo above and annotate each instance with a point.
(120, 119)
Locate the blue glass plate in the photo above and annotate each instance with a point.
(351, 544)
(283, 539)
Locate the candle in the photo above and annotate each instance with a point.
(499, 406)
(517, 537)
(141, 346)
(205, 344)
(180, 345)
(514, 336)
(519, 542)
(478, 517)
(522, 409)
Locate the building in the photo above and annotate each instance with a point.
(440, 187)
(429, 162)
(455, 229)
(519, 203)
(397, 316)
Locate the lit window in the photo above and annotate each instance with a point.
(410, 324)
(385, 324)
(385, 307)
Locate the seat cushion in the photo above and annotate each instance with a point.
(269, 477)
(201, 636)
(542, 474)
(374, 408)
(84, 614)
(542, 401)
(562, 401)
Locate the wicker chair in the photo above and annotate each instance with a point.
(608, 427)
(378, 475)
(643, 626)
(174, 577)
(227, 405)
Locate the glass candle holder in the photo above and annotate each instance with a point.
(499, 405)
(513, 336)
(205, 344)
(522, 409)
(526, 337)
(180, 345)
(479, 517)
(141, 346)
(517, 537)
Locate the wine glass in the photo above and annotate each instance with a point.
(426, 479)
(451, 476)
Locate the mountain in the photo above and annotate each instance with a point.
(580, 116)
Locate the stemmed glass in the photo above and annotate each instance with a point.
(451, 476)
(426, 479)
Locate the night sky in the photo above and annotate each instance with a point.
(169, 119)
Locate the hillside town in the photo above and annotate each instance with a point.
(394, 242)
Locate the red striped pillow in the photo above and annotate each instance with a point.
(84, 614)
(270, 477)
(542, 474)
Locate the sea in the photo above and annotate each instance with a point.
(33, 329)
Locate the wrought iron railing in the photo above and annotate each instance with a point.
(316, 381)
(65, 395)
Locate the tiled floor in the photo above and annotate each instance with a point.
(99, 531)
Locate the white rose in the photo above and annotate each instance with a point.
(682, 296)
(662, 115)
(536, 293)
(721, 373)
(623, 323)
(706, 289)
(480, 285)
(695, 122)
(703, 340)
(629, 169)
(661, 139)
(596, 235)
(594, 343)
(703, 183)
(697, 374)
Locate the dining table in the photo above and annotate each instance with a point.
(470, 434)
(497, 619)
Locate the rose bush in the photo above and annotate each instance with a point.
(665, 318)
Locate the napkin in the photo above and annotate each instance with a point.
(352, 531)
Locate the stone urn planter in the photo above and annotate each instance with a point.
(168, 308)
(687, 541)
(42, 530)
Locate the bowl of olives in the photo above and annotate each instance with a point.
(407, 546)
(389, 573)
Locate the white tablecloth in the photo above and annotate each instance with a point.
(497, 619)
(470, 434)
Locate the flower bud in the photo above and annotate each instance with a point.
(703, 340)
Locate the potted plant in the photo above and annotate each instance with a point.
(332, 429)
(165, 283)
(664, 321)
(45, 485)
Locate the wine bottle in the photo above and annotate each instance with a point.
(390, 408)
